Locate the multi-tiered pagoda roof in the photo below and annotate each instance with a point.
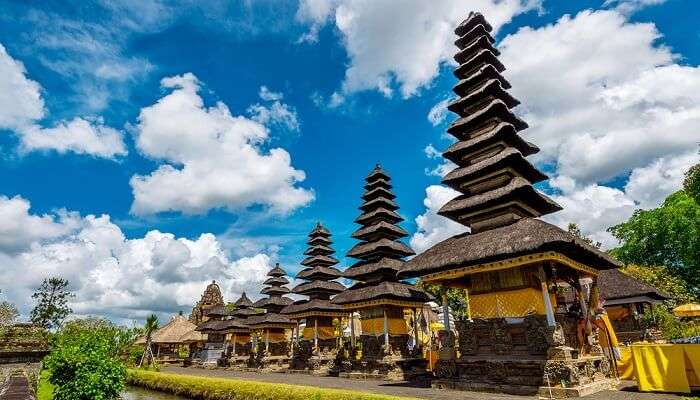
(498, 202)
(275, 301)
(320, 275)
(380, 251)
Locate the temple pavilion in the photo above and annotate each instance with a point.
(385, 343)
(271, 330)
(318, 345)
(241, 340)
(511, 263)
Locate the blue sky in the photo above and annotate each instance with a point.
(348, 85)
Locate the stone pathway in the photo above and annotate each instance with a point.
(16, 387)
(396, 389)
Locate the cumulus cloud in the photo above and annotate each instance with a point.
(111, 275)
(402, 46)
(630, 6)
(432, 228)
(22, 107)
(273, 112)
(605, 100)
(211, 158)
(438, 113)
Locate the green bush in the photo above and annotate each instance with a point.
(198, 387)
(84, 362)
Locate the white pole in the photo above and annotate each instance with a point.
(445, 311)
(545, 297)
(316, 333)
(386, 328)
(235, 335)
(352, 329)
(267, 339)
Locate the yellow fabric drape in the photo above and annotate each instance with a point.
(625, 367)
(660, 368)
(510, 303)
(275, 337)
(692, 363)
(606, 329)
(324, 332)
(375, 326)
(240, 339)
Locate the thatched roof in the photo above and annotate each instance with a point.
(615, 284)
(483, 56)
(302, 306)
(378, 192)
(319, 240)
(216, 311)
(272, 301)
(362, 269)
(508, 158)
(380, 229)
(488, 90)
(192, 337)
(465, 85)
(377, 173)
(495, 108)
(319, 272)
(523, 237)
(379, 202)
(243, 301)
(319, 260)
(361, 292)
(268, 319)
(275, 290)
(319, 230)
(245, 312)
(217, 325)
(276, 271)
(276, 280)
(172, 332)
(381, 214)
(504, 132)
(378, 183)
(483, 41)
(319, 249)
(471, 22)
(470, 36)
(319, 286)
(380, 246)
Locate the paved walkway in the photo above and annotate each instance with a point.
(392, 388)
(16, 387)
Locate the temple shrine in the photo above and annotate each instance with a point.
(241, 342)
(386, 347)
(316, 350)
(271, 330)
(510, 264)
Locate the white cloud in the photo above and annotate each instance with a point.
(212, 158)
(630, 6)
(443, 168)
(274, 112)
(438, 113)
(402, 45)
(648, 186)
(22, 107)
(78, 136)
(111, 275)
(432, 228)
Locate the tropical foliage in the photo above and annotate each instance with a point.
(84, 362)
(691, 184)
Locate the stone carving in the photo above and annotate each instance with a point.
(500, 337)
(539, 335)
(468, 343)
(210, 298)
(445, 369)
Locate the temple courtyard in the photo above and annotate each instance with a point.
(404, 389)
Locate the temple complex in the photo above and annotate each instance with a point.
(511, 263)
(271, 331)
(385, 344)
(240, 339)
(317, 347)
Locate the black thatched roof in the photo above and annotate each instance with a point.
(319, 240)
(381, 214)
(362, 292)
(379, 202)
(266, 302)
(362, 269)
(615, 284)
(276, 280)
(508, 158)
(319, 249)
(523, 237)
(483, 41)
(504, 132)
(483, 56)
(268, 318)
(380, 246)
(378, 183)
(319, 272)
(377, 173)
(487, 71)
(319, 230)
(469, 37)
(319, 286)
(474, 19)
(496, 108)
(216, 325)
(275, 290)
(378, 192)
(245, 312)
(304, 306)
(319, 260)
(488, 90)
(379, 230)
(216, 311)
(276, 271)
(243, 301)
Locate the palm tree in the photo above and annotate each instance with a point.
(149, 328)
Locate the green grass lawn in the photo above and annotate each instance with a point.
(224, 389)
(45, 389)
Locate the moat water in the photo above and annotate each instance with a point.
(136, 393)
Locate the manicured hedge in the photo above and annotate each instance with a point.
(204, 388)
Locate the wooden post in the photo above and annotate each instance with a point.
(545, 297)
(386, 328)
(415, 327)
(352, 329)
(235, 336)
(316, 333)
(267, 340)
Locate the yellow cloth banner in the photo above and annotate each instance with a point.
(660, 368)
(692, 363)
(375, 326)
(324, 332)
(274, 337)
(511, 303)
(240, 339)
(625, 367)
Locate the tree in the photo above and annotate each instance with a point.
(691, 184)
(668, 235)
(150, 327)
(661, 278)
(52, 303)
(8, 313)
(84, 361)
(576, 231)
